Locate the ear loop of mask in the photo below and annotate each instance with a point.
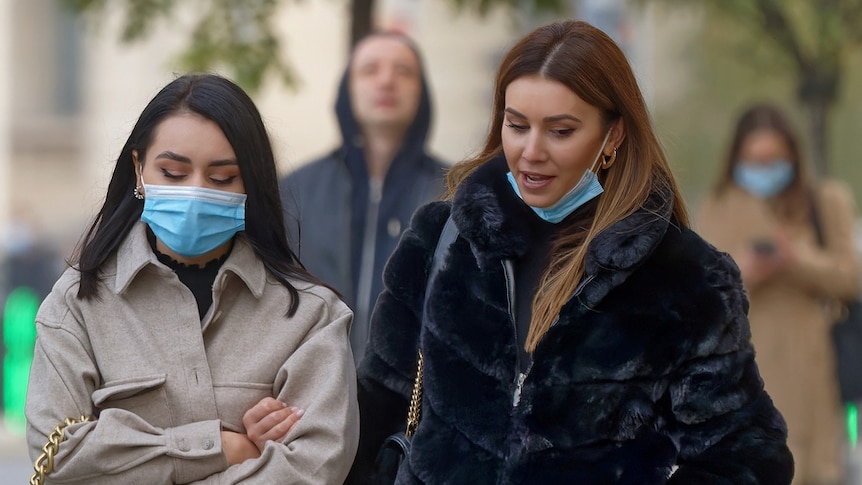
(594, 168)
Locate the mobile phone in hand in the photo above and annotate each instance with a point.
(764, 247)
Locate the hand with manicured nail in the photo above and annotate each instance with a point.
(270, 420)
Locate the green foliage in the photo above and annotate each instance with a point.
(238, 35)
(483, 7)
(803, 30)
(816, 38)
(234, 35)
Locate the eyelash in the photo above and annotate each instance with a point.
(170, 175)
(226, 181)
(173, 176)
(557, 133)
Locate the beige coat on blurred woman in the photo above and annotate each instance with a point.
(789, 314)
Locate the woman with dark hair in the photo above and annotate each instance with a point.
(792, 236)
(185, 324)
(578, 330)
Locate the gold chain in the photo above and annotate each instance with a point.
(415, 400)
(45, 463)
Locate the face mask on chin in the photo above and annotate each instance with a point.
(193, 221)
(587, 188)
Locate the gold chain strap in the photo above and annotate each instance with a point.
(45, 463)
(415, 400)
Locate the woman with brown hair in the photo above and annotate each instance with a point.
(578, 330)
(765, 211)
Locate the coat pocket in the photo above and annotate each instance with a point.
(144, 396)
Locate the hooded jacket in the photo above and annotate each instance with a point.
(342, 228)
(648, 377)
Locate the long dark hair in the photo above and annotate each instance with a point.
(220, 100)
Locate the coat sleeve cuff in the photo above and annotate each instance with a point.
(197, 450)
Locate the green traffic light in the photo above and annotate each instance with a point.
(19, 335)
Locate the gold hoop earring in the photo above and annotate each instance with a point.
(609, 159)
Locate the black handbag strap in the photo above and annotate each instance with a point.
(447, 237)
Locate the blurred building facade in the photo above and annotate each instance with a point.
(72, 90)
(70, 93)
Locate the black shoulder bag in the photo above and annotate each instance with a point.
(846, 333)
(396, 447)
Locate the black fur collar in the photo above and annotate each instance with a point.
(491, 217)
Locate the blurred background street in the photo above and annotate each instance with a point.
(71, 87)
(15, 465)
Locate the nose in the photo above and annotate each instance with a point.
(386, 76)
(534, 149)
(199, 180)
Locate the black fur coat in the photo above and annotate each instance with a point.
(648, 374)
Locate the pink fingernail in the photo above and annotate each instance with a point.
(300, 412)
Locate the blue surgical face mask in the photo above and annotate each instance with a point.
(587, 188)
(764, 180)
(192, 221)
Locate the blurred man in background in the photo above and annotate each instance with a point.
(345, 212)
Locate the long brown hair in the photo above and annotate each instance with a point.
(587, 61)
(764, 117)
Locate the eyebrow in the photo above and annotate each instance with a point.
(547, 119)
(184, 159)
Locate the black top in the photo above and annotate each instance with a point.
(530, 268)
(198, 279)
(528, 274)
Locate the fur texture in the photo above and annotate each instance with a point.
(649, 369)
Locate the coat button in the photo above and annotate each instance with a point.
(394, 227)
(208, 444)
(184, 446)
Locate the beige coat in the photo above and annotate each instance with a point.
(163, 384)
(789, 321)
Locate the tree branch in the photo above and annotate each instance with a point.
(775, 24)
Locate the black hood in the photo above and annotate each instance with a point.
(417, 132)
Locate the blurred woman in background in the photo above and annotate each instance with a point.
(792, 237)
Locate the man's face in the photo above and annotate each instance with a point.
(385, 84)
